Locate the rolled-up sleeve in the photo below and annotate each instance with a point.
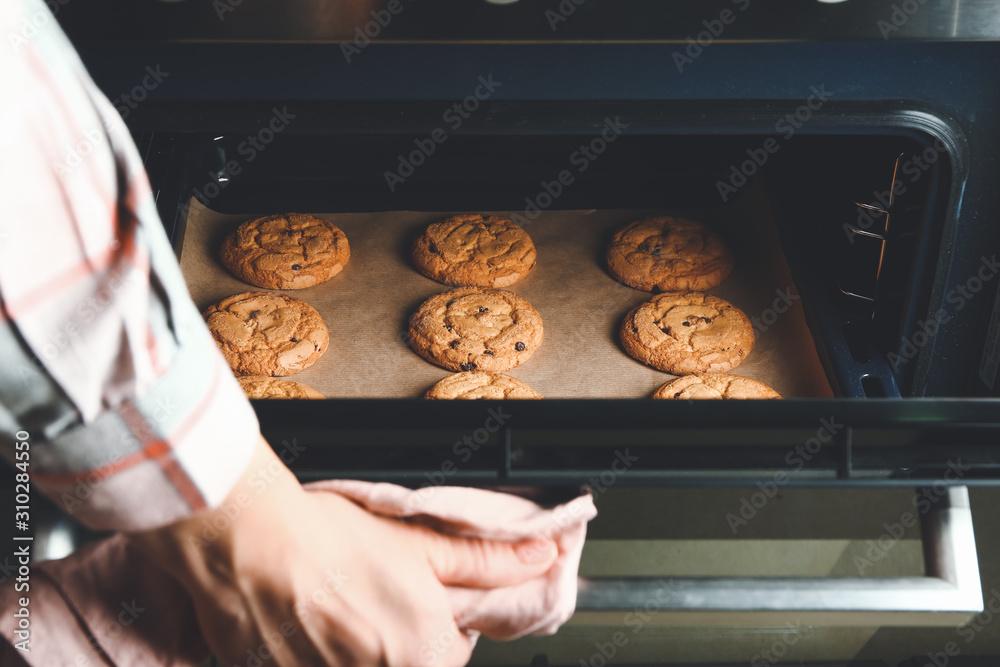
(133, 416)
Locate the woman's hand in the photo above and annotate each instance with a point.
(313, 579)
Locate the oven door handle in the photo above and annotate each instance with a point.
(949, 594)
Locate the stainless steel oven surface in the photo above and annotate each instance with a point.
(845, 150)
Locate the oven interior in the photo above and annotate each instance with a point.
(866, 199)
(863, 214)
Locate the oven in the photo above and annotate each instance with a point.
(847, 150)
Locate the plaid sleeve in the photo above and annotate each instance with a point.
(135, 419)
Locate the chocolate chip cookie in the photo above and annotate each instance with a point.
(480, 384)
(263, 333)
(257, 386)
(474, 251)
(289, 251)
(669, 255)
(469, 329)
(687, 332)
(714, 385)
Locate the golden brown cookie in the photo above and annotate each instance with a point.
(263, 333)
(257, 386)
(687, 332)
(289, 251)
(473, 251)
(669, 255)
(469, 329)
(480, 384)
(714, 385)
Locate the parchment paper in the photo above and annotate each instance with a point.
(367, 306)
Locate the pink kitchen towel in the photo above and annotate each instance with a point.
(105, 605)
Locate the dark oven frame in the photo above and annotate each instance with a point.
(401, 89)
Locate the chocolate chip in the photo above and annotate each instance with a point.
(519, 347)
(677, 395)
(468, 367)
(488, 352)
(453, 344)
(483, 309)
(635, 329)
(433, 247)
(687, 324)
(294, 340)
(448, 327)
(296, 267)
(254, 314)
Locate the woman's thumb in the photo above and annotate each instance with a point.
(462, 561)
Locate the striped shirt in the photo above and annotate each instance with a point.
(134, 419)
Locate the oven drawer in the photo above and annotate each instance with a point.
(948, 594)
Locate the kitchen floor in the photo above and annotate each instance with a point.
(799, 532)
